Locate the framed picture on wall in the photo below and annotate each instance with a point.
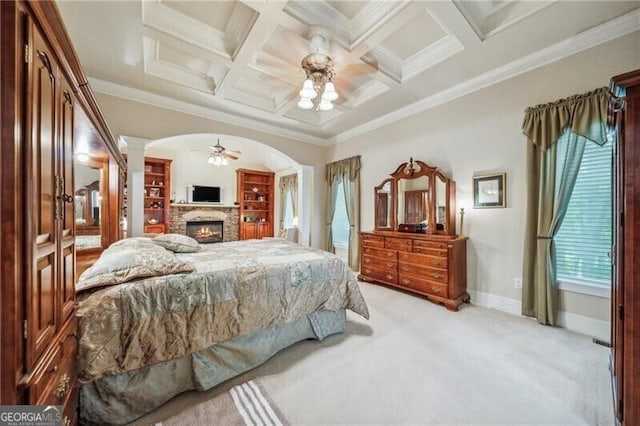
(490, 191)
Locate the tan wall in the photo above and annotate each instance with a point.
(481, 133)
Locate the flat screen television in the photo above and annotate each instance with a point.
(204, 194)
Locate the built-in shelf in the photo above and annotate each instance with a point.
(204, 205)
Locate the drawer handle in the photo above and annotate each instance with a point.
(436, 275)
(389, 264)
(436, 263)
(367, 250)
(367, 260)
(405, 256)
(368, 271)
(390, 254)
(406, 281)
(389, 277)
(436, 290)
(405, 269)
(63, 386)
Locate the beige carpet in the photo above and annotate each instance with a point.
(415, 363)
(243, 405)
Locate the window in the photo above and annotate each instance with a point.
(583, 243)
(288, 210)
(340, 224)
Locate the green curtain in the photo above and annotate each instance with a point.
(552, 169)
(347, 171)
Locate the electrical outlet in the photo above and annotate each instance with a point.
(517, 282)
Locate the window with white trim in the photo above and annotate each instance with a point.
(583, 243)
(340, 224)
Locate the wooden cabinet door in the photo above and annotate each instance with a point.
(264, 230)
(249, 231)
(41, 194)
(66, 291)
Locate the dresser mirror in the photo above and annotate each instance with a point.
(417, 198)
(384, 205)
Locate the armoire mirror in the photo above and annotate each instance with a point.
(421, 198)
(89, 204)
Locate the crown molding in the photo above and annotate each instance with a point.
(595, 36)
(144, 97)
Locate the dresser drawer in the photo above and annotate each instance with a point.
(381, 253)
(430, 244)
(421, 259)
(403, 244)
(372, 241)
(438, 275)
(431, 251)
(379, 273)
(376, 262)
(423, 285)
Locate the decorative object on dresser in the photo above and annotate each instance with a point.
(255, 198)
(46, 103)
(490, 191)
(414, 246)
(624, 117)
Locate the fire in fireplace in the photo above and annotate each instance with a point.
(206, 231)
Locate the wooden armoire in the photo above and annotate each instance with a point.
(45, 102)
(625, 299)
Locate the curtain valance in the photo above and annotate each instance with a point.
(289, 181)
(349, 168)
(584, 115)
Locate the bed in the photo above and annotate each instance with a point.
(203, 318)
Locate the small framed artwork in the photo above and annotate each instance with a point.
(490, 191)
(154, 192)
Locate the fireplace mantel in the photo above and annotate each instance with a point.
(180, 213)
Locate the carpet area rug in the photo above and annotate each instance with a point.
(246, 404)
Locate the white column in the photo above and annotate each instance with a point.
(305, 204)
(135, 185)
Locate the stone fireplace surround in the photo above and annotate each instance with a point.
(179, 214)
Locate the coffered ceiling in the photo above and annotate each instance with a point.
(239, 62)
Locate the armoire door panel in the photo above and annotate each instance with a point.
(41, 323)
(67, 289)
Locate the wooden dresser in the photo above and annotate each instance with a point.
(45, 102)
(429, 265)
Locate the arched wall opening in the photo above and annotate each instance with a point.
(189, 154)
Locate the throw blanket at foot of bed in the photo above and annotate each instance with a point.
(237, 289)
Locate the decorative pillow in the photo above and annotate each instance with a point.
(177, 243)
(119, 265)
(133, 242)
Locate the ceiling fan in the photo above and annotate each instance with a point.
(219, 155)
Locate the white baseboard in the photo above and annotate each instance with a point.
(592, 327)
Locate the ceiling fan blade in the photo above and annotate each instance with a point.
(234, 152)
(230, 156)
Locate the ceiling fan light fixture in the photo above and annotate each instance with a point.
(305, 103)
(307, 91)
(330, 93)
(325, 105)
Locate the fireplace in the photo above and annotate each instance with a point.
(206, 231)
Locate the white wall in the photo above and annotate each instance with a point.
(481, 133)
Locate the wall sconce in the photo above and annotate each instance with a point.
(82, 155)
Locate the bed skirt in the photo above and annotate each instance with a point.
(124, 397)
